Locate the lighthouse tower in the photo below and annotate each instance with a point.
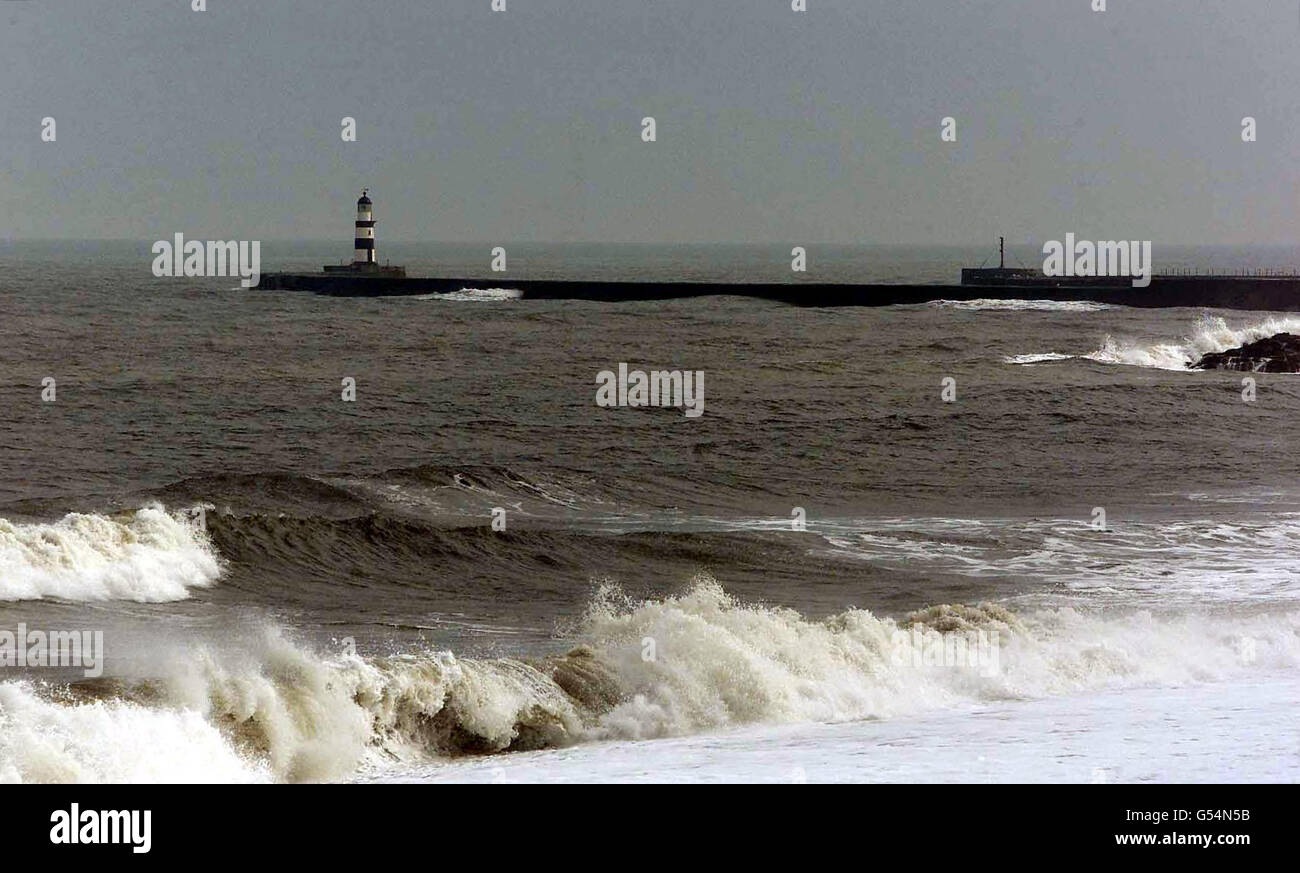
(364, 263)
(364, 250)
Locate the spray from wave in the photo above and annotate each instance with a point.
(145, 556)
(50, 738)
(1211, 334)
(701, 661)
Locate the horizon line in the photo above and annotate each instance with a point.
(683, 243)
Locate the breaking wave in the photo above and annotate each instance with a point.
(58, 740)
(145, 556)
(701, 661)
(1212, 334)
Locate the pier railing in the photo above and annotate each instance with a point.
(1262, 273)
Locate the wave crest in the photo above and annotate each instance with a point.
(697, 662)
(1212, 334)
(145, 556)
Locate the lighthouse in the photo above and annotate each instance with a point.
(364, 263)
(364, 250)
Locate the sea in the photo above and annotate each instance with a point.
(399, 540)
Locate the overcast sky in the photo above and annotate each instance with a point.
(772, 125)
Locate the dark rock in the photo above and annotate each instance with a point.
(1275, 354)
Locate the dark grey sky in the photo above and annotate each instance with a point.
(773, 126)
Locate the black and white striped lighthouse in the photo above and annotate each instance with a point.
(364, 250)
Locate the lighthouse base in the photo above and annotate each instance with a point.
(365, 269)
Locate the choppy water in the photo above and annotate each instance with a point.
(346, 610)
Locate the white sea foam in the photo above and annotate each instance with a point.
(1037, 359)
(1212, 334)
(147, 556)
(1175, 563)
(1238, 732)
(475, 295)
(290, 714)
(720, 663)
(43, 740)
(993, 305)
